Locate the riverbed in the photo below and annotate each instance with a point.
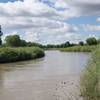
(54, 77)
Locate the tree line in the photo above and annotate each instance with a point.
(16, 41)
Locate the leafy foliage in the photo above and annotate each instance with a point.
(91, 41)
(90, 79)
(0, 41)
(19, 54)
(13, 40)
(81, 43)
(98, 41)
(79, 49)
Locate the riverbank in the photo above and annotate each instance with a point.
(90, 80)
(8, 54)
(54, 77)
(56, 88)
(79, 48)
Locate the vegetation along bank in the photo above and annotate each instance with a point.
(90, 79)
(90, 45)
(12, 54)
(85, 48)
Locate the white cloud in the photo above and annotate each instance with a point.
(53, 38)
(92, 28)
(52, 35)
(98, 19)
(44, 23)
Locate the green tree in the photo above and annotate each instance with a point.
(99, 41)
(67, 44)
(1, 33)
(13, 40)
(91, 41)
(81, 43)
(23, 43)
(0, 41)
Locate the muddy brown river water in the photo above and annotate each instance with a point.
(54, 77)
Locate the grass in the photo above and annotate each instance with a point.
(8, 54)
(79, 49)
(90, 79)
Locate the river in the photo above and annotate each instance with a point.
(54, 77)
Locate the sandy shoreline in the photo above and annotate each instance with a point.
(54, 88)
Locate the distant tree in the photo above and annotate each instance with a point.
(13, 40)
(16, 41)
(29, 44)
(91, 41)
(1, 33)
(67, 44)
(23, 43)
(98, 41)
(81, 43)
(73, 44)
(50, 46)
(0, 41)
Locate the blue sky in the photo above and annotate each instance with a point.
(51, 21)
(7, 1)
(83, 20)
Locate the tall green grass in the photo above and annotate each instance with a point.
(79, 49)
(8, 54)
(90, 79)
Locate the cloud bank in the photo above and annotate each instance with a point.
(45, 20)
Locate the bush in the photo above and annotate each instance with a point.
(90, 79)
(91, 41)
(19, 54)
(0, 41)
(13, 40)
(79, 49)
(81, 43)
(98, 41)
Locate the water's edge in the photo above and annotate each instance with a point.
(54, 77)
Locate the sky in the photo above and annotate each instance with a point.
(51, 21)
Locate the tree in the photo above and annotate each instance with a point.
(81, 43)
(91, 41)
(23, 43)
(1, 33)
(13, 40)
(0, 41)
(67, 44)
(99, 41)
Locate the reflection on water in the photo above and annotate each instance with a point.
(53, 65)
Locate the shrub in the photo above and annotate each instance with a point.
(20, 54)
(91, 41)
(79, 49)
(90, 79)
(0, 41)
(81, 43)
(13, 40)
(98, 41)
